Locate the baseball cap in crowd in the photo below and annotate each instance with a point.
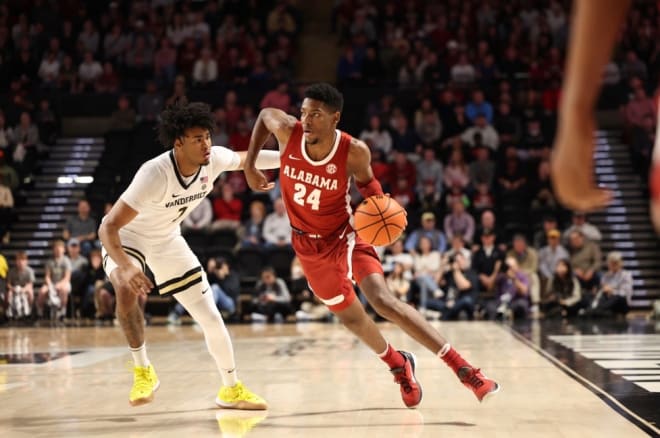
(428, 216)
(73, 242)
(554, 233)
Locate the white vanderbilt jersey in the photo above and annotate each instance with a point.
(163, 199)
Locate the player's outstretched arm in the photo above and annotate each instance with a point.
(359, 165)
(270, 121)
(131, 276)
(594, 29)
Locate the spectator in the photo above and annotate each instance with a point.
(79, 264)
(57, 282)
(397, 283)
(6, 210)
(6, 134)
(543, 198)
(398, 254)
(456, 171)
(429, 129)
(8, 174)
(272, 298)
(253, 226)
(49, 70)
(240, 139)
(562, 295)
(115, 44)
(482, 169)
(151, 103)
(506, 124)
(28, 145)
(457, 247)
(428, 268)
(586, 260)
(526, 257)
(428, 230)
(551, 254)
(404, 138)
(82, 227)
(68, 79)
(489, 136)
(178, 30)
(205, 70)
(429, 172)
(200, 218)
(98, 298)
(227, 209)
(88, 39)
(123, 118)
(88, 72)
(459, 223)
(512, 293)
(401, 167)
(20, 282)
(47, 123)
(581, 224)
(639, 107)
(487, 261)
(165, 61)
(376, 136)
(280, 20)
(463, 73)
(461, 285)
(616, 289)
(276, 226)
(278, 98)
(541, 236)
(108, 82)
(478, 106)
(633, 66)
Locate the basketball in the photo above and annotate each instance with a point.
(380, 220)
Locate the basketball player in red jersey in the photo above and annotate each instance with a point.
(317, 164)
(595, 27)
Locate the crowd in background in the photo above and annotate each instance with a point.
(460, 130)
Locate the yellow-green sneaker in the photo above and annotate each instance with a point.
(145, 383)
(235, 424)
(239, 397)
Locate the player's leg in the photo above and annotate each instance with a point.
(198, 301)
(193, 292)
(334, 288)
(131, 320)
(41, 299)
(63, 292)
(594, 29)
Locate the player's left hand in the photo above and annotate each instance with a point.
(257, 180)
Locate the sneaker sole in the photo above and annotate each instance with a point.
(242, 405)
(490, 394)
(414, 368)
(145, 400)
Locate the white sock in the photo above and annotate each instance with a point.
(387, 349)
(202, 308)
(140, 356)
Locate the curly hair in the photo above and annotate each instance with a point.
(327, 94)
(177, 118)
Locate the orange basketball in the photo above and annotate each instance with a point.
(380, 220)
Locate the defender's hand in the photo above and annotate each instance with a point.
(257, 180)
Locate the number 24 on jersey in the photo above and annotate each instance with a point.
(301, 197)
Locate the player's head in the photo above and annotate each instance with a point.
(320, 111)
(187, 128)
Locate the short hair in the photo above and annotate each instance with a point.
(181, 116)
(327, 94)
(21, 255)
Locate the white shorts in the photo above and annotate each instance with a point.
(174, 266)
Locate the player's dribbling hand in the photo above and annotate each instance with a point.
(134, 279)
(257, 180)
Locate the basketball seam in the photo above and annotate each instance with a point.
(382, 218)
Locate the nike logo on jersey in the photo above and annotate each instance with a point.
(205, 290)
(291, 157)
(176, 196)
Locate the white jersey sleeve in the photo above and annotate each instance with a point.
(148, 187)
(224, 160)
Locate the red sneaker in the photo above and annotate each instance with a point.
(482, 386)
(411, 391)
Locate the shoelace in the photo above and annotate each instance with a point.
(142, 381)
(242, 393)
(473, 379)
(401, 378)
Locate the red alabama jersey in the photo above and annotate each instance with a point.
(316, 192)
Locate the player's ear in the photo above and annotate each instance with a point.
(178, 142)
(336, 117)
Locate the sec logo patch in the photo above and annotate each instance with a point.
(331, 169)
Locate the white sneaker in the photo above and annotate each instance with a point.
(173, 319)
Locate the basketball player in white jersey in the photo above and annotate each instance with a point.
(142, 230)
(594, 30)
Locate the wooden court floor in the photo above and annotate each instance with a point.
(319, 381)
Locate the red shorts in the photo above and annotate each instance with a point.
(332, 264)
